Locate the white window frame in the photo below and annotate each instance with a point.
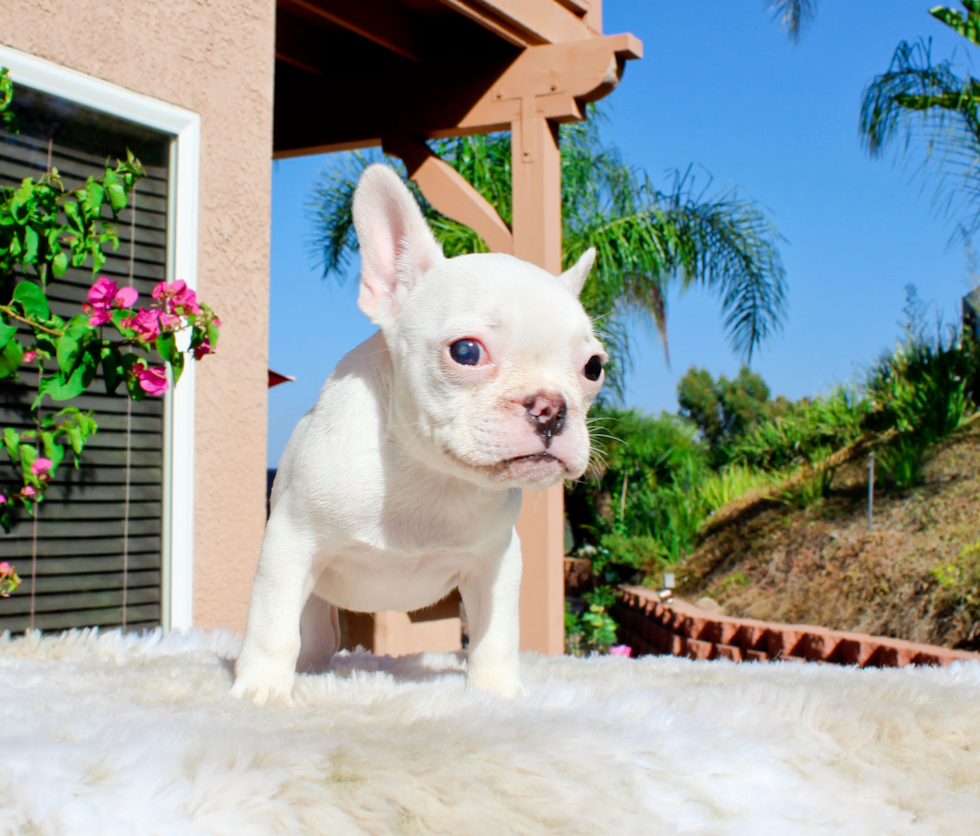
(177, 582)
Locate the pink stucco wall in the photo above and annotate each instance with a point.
(215, 58)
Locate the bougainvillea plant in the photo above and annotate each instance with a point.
(44, 229)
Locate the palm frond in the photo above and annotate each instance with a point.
(646, 239)
(793, 15)
(935, 114)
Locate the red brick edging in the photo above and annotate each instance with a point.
(650, 626)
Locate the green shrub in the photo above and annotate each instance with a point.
(721, 487)
(593, 630)
(923, 389)
(806, 433)
(961, 579)
(640, 506)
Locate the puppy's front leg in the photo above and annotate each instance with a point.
(266, 666)
(491, 595)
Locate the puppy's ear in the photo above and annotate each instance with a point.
(396, 244)
(574, 277)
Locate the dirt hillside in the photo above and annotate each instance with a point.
(820, 565)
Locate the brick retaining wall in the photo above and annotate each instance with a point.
(650, 626)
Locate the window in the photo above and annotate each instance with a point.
(120, 529)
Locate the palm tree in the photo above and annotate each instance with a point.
(793, 15)
(647, 239)
(935, 112)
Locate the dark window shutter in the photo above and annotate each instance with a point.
(95, 547)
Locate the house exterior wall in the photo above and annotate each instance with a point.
(216, 59)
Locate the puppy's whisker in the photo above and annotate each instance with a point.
(606, 435)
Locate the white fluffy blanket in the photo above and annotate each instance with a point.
(103, 734)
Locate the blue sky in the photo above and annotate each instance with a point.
(721, 87)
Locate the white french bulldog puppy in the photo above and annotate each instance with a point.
(404, 480)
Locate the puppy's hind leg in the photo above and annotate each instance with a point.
(283, 581)
(319, 630)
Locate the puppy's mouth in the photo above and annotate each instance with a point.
(534, 457)
(533, 468)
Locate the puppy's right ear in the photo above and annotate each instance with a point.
(397, 247)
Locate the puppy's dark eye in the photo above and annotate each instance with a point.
(593, 369)
(466, 352)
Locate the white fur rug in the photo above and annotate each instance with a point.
(103, 734)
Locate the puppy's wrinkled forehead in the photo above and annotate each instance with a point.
(501, 294)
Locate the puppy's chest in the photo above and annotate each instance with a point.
(364, 578)
(409, 561)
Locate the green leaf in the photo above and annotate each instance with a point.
(167, 347)
(31, 241)
(28, 455)
(75, 439)
(115, 191)
(52, 450)
(71, 212)
(59, 264)
(94, 194)
(77, 324)
(177, 366)
(25, 192)
(112, 368)
(6, 334)
(131, 380)
(10, 358)
(213, 334)
(11, 440)
(117, 196)
(67, 353)
(59, 388)
(32, 299)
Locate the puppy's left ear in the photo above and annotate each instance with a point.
(397, 246)
(574, 277)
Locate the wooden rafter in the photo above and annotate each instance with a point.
(385, 22)
(526, 22)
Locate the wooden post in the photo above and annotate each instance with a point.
(536, 166)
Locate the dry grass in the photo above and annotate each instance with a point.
(820, 565)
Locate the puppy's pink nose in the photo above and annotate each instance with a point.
(546, 412)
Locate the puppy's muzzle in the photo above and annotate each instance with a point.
(546, 412)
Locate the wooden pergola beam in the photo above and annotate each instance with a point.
(553, 80)
(386, 23)
(526, 22)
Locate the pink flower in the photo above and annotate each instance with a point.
(178, 297)
(203, 349)
(163, 290)
(29, 490)
(620, 650)
(169, 320)
(29, 356)
(6, 570)
(186, 299)
(153, 381)
(105, 295)
(145, 323)
(125, 297)
(3, 499)
(41, 465)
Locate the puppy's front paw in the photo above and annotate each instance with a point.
(499, 681)
(263, 683)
